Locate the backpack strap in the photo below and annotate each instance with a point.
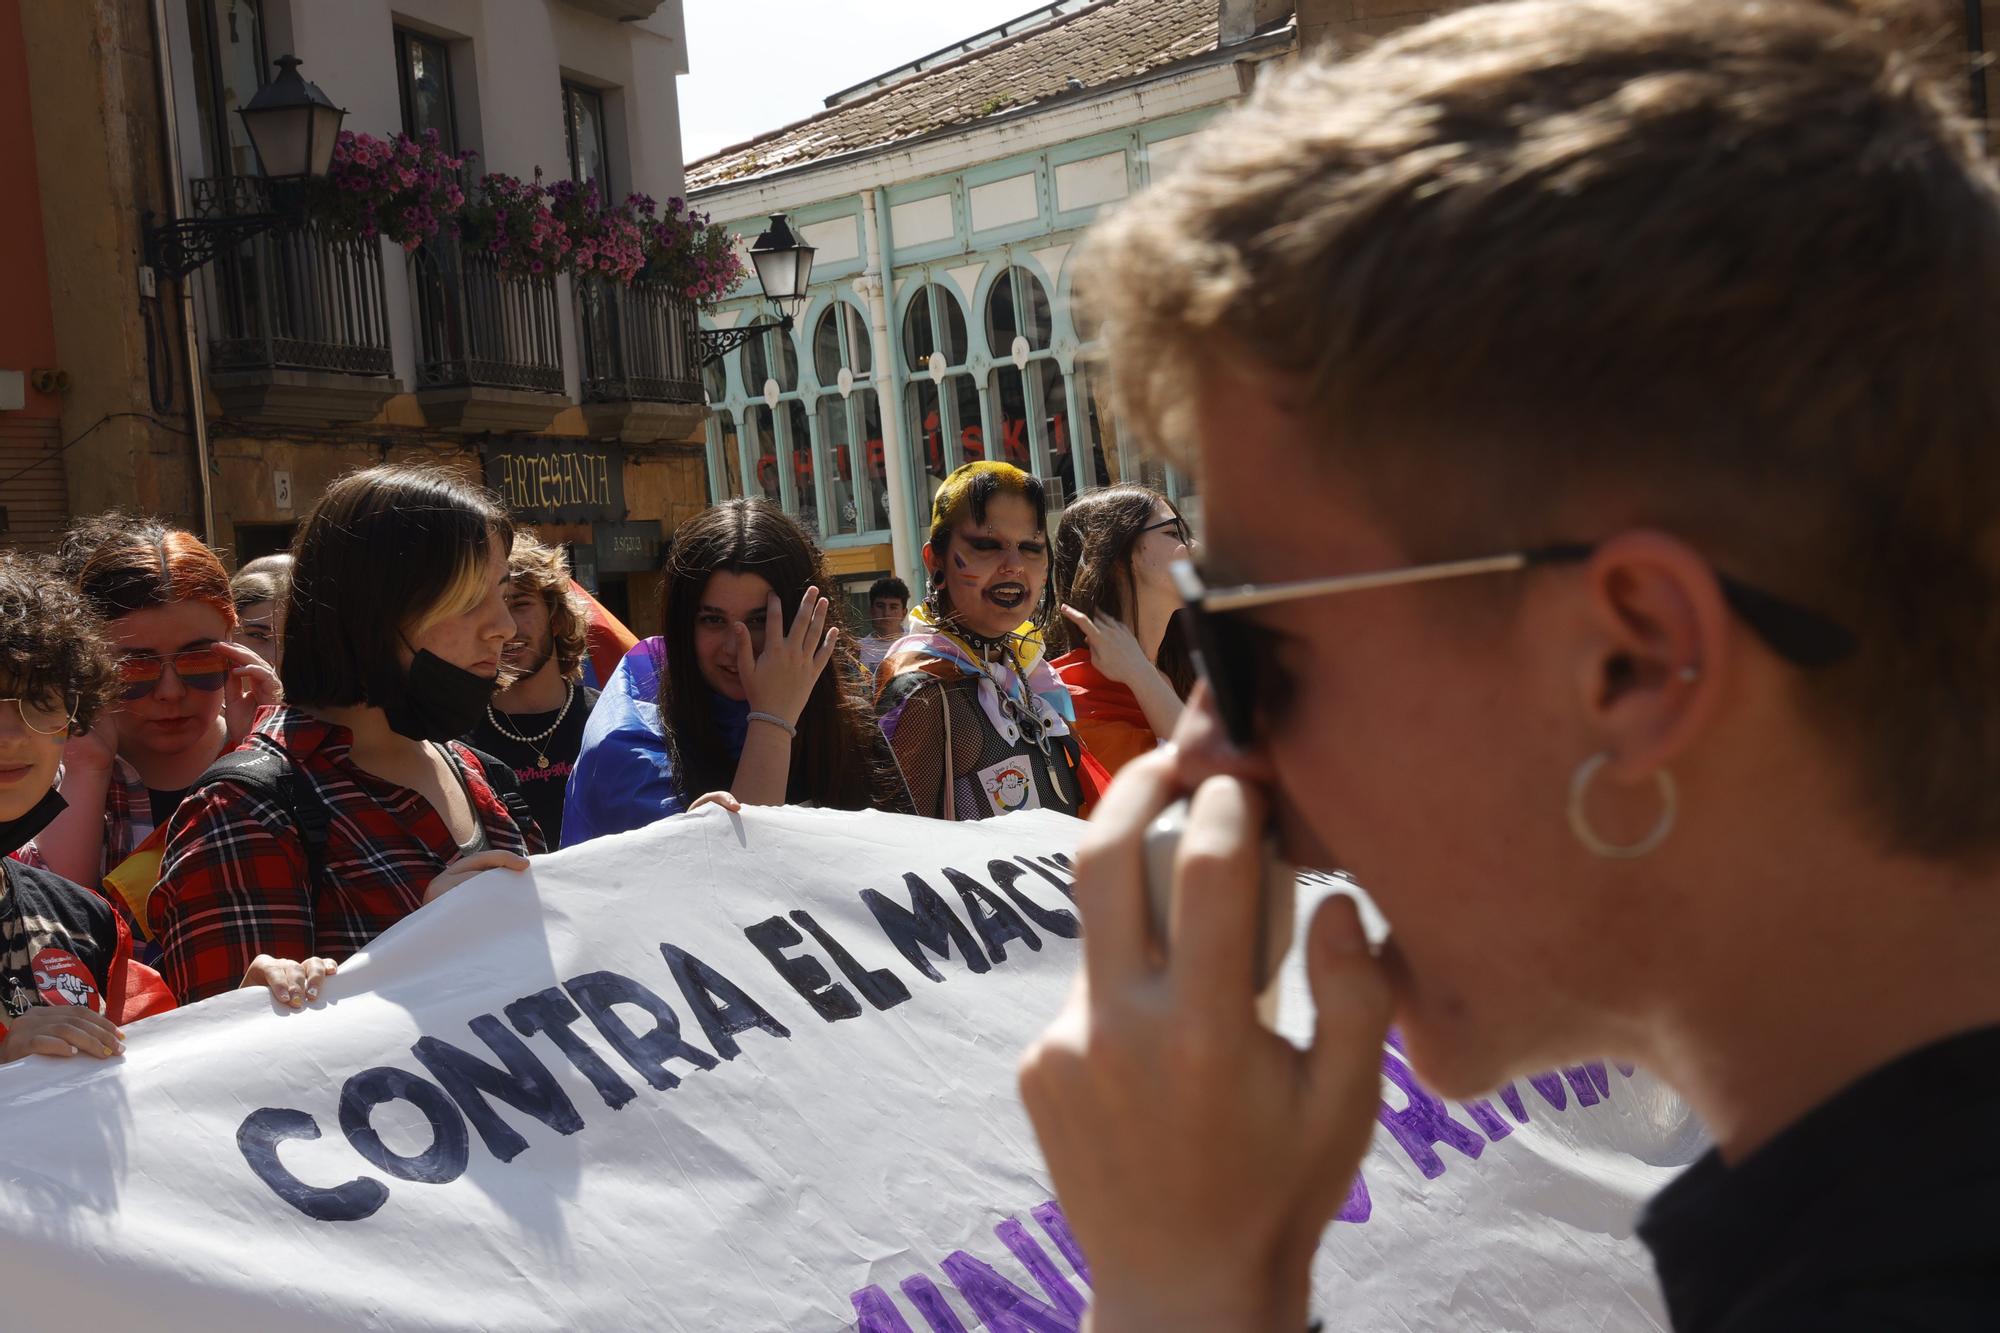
(500, 777)
(272, 776)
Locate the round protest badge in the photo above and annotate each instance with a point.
(62, 978)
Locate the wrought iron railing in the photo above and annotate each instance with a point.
(639, 343)
(293, 298)
(479, 326)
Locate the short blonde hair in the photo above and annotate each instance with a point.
(1734, 264)
(540, 568)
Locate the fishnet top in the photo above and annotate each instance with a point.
(988, 776)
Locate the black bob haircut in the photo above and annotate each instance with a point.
(383, 550)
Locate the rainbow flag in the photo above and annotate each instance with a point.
(131, 881)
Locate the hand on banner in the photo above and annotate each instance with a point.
(1198, 1155)
(727, 800)
(61, 1030)
(292, 983)
(251, 685)
(462, 868)
(784, 674)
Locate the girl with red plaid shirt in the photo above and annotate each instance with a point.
(393, 633)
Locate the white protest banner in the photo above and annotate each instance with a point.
(727, 1073)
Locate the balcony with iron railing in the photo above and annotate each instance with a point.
(488, 342)
(298, 320)
(641, 360)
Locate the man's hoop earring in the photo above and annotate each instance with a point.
(1579, 822)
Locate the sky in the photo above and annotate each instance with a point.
(759, 64)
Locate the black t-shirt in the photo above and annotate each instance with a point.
(543, 785)
(1880, 1210)
(164, 803)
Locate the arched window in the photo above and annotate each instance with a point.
(852, 473)
(1112, 448)
(942, 401)
(777, 437)
(1031, 396)
(725, 457)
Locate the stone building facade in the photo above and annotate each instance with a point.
(311, 356)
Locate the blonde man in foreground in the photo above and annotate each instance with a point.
(1655, 344)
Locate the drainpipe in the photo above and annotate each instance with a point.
(190, 336)
(903, 543)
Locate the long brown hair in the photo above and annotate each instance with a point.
(1092, 571)
(837, 759)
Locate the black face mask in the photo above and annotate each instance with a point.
(18, 833)
(439, 701)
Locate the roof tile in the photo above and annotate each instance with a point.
(1104, 44)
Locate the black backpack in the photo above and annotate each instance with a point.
(270, 775)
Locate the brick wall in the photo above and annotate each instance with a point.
(32, 487)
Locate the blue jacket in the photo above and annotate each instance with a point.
(624, 778)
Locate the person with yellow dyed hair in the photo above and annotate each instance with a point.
(978, 722)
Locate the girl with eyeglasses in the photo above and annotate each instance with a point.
(1125, 670)
(67, 979)
(979, 724)
(183, 696)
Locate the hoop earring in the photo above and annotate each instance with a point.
(1579, 822)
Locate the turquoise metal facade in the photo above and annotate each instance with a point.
(984, 344)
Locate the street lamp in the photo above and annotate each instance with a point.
(293, 127)
(784, 270)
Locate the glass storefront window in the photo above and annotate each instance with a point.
(850, 428)
(944, 420)
(1018, 306)
(725, 457)
(934, 323)
(1031, 402)
(766, 357)
(760, 433)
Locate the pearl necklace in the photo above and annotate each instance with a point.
(535, 742)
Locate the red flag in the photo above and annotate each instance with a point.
(609, 639)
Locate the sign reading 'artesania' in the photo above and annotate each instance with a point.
(546, 481)
(730, 1074)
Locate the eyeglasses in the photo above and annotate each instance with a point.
(1234, 654)
(1176, 525)
(199, 669)
(44, 717)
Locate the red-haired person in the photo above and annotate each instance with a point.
(185, 693)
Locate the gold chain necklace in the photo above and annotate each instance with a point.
(535, 742)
